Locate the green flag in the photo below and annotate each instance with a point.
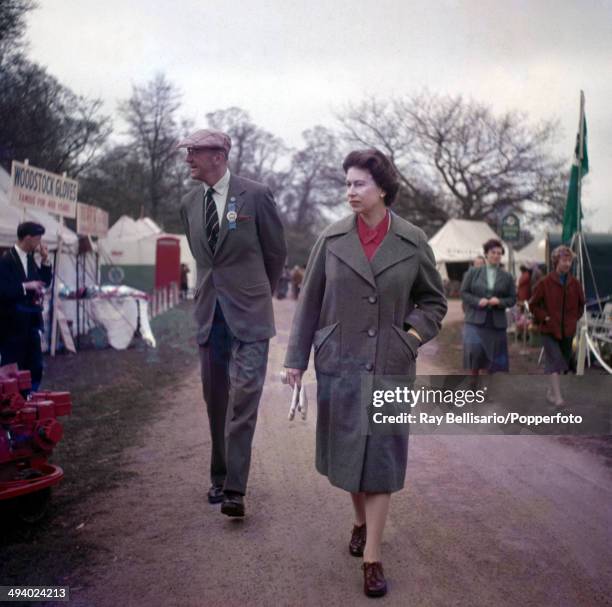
(572, 217)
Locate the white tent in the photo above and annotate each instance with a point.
(534, 252)
(460, 241)
(125, 228)
(133, 243)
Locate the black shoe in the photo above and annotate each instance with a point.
(215, 494)
(358, 540)
(233, 504)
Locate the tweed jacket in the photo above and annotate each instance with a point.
(474, 287)
(248, 260)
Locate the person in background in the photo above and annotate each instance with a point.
(22, 285)
(297, 276)
(536, 275)
(486, 292)
(479, 262)
(557, 304)
(523, 292)
(283, 284)
(371, 296)
(184, 280)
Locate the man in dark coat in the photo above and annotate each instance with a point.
(22, 284)
(237, 239)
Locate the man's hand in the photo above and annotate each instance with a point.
(483, 303)
(294, 376)
(44, 253)
(494, 301)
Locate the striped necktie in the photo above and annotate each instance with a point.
(211, 219)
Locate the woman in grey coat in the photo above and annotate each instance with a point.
(486, 293)
(371, 296)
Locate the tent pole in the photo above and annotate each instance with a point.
(78, 304)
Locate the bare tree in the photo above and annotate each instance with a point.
(151, 115)
(45, 121)
(457, 159)
(12, 24)
(314, 184)
(116, 182)
(489, 164)
(255, 151)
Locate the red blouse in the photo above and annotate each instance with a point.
(371, 238)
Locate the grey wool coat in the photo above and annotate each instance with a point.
(355, 313)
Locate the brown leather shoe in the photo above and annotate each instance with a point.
(374, 583)
(358, 540)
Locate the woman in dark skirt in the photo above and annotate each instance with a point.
(486, 293)
(557, 304)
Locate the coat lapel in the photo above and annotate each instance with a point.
(18, 265)
(196, 223)
(236, 192)
(393, 249)
(348, 249)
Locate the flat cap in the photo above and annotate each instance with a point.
(207, 138)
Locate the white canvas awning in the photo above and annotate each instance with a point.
(461, 240)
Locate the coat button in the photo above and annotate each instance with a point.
(369, 367)
(372, 332)
(372, 299)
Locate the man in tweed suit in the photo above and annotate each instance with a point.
(237, 239)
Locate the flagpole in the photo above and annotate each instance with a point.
(582, 350)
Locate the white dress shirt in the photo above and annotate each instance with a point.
(23, 257)
(220, 194)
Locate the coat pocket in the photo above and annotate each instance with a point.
(326, 344)
(401, 353)
(262, 288)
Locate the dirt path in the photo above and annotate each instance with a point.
(498, 520)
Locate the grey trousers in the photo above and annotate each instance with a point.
(233, 374)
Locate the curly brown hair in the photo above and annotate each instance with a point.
(491, 244)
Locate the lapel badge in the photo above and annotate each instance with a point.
(232, 215)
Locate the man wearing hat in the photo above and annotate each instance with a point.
(237, 239)
(22, 285)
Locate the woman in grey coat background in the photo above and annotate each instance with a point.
(486, 293)
(371, 296)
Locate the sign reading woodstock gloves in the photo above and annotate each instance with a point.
(35, 188)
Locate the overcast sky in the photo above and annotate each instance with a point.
(291, 64)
